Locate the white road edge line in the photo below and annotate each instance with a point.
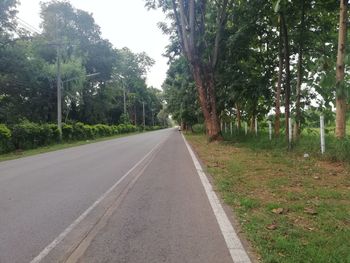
(234, 245)
(55, 242)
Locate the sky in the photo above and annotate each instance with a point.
(125, 23)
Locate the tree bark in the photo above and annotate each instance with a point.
(203, 73)
(279, 83)
(252, 124)
(341, 99)
(300, 73)
(287, 78)
(204, 80)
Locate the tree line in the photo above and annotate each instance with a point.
(256, 59)
(95, 75)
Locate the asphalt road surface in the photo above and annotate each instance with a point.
(133, 199)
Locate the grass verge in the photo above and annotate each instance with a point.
(55, 147)
(292, 209)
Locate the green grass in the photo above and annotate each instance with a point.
(55, 147)
(309, 142)
(255, 177)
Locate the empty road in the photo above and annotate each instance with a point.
(133, 199)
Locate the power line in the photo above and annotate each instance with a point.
(28, 26)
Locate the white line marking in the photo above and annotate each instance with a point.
(54, 243)
(234, 245)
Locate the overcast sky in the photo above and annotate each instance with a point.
(126, 23)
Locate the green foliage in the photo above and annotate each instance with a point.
(104, 130)
(181, 95)
(91, 94)
(29, 135)
(5, 132)
(5, 136)
(67, 132)
(309, 142)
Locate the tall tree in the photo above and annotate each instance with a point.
(341, 94)
(300, 71)
(279, 82)
(7, 16)
(199, 25)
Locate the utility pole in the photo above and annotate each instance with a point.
(58, 44)
(124, 97)
(59, 93)
(152, 117)
(144, 117)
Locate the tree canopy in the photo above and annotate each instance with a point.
(94, 74)
(271, 55)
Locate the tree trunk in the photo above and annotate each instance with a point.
(279, 84)
(300, 73)
(187, 24)
(252, 124)
(341, 99)
(204, 80)
(287, 78)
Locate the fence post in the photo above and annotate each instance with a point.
(221, 125)
(245, 128)
(270, 130)
(231, 127)
(323, 145)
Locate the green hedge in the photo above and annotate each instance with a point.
(5, 136)
(29, 135)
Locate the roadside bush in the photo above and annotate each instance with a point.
(115, 129)
(67, 132)
(26, 135)
(79, 131)
(125, 128)
(48, 134)
(89, 132)
(5, 136)
(29, 135)
(104, 130)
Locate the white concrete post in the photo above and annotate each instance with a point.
(323, 145)
(270, 130)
